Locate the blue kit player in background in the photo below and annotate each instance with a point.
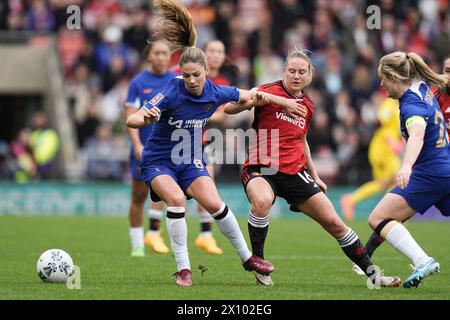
(172, 161)
(143, 87)
(424, 177)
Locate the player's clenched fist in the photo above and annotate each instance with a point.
(151, 115)
(143, 117)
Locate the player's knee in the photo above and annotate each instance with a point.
(261, 206)
(176, 200)
(213, 205)
(374, 221)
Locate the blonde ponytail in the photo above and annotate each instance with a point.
(409, 66)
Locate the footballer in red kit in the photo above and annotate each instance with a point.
(280, 165)
(291, 158)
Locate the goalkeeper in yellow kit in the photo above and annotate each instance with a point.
(384, 150)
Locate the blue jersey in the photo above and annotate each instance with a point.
(143, 87)
(176, 136)
(434, 158)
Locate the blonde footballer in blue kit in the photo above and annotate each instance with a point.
(424, 177)
(182, 109)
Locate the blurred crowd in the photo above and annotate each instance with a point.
(31, 154)
(99, 60)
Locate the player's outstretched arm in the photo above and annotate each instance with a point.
(250, 99)
(246, 102)
(143, 117)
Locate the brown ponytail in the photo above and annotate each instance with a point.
(177, 28)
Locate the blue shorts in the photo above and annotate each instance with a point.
(183, 174)
(135, 168)
(424, 191)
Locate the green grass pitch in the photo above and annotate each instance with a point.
(309, 263)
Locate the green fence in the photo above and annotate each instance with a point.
(53, 198)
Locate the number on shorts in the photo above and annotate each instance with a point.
(442, 140)
(198, 164)
(306, 177)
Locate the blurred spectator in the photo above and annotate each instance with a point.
(137, 34)
(224, 10)
(362, 85)
(387, 38)
(15, 22)
(26, 167)
(7, 163)
(88, 125)
(260, 40)
(347, 156)
(40, 16)
(115, 71)
(267, 66)
(285, 14)
(333, 70)
(72, 44)
(111, 106)
(203, 15)
(320, 136)
(111, 49)
(294, 37)
(417, 30)
(103, 155)
(97, 14)
(44, 142)
(322, 30)
(80, 90)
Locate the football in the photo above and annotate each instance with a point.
(54, 265)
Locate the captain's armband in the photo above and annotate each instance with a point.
(415, 119)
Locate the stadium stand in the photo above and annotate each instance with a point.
(79, 77)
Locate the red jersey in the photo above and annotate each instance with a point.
(443, 98)
(220, 80)
(291, 157)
